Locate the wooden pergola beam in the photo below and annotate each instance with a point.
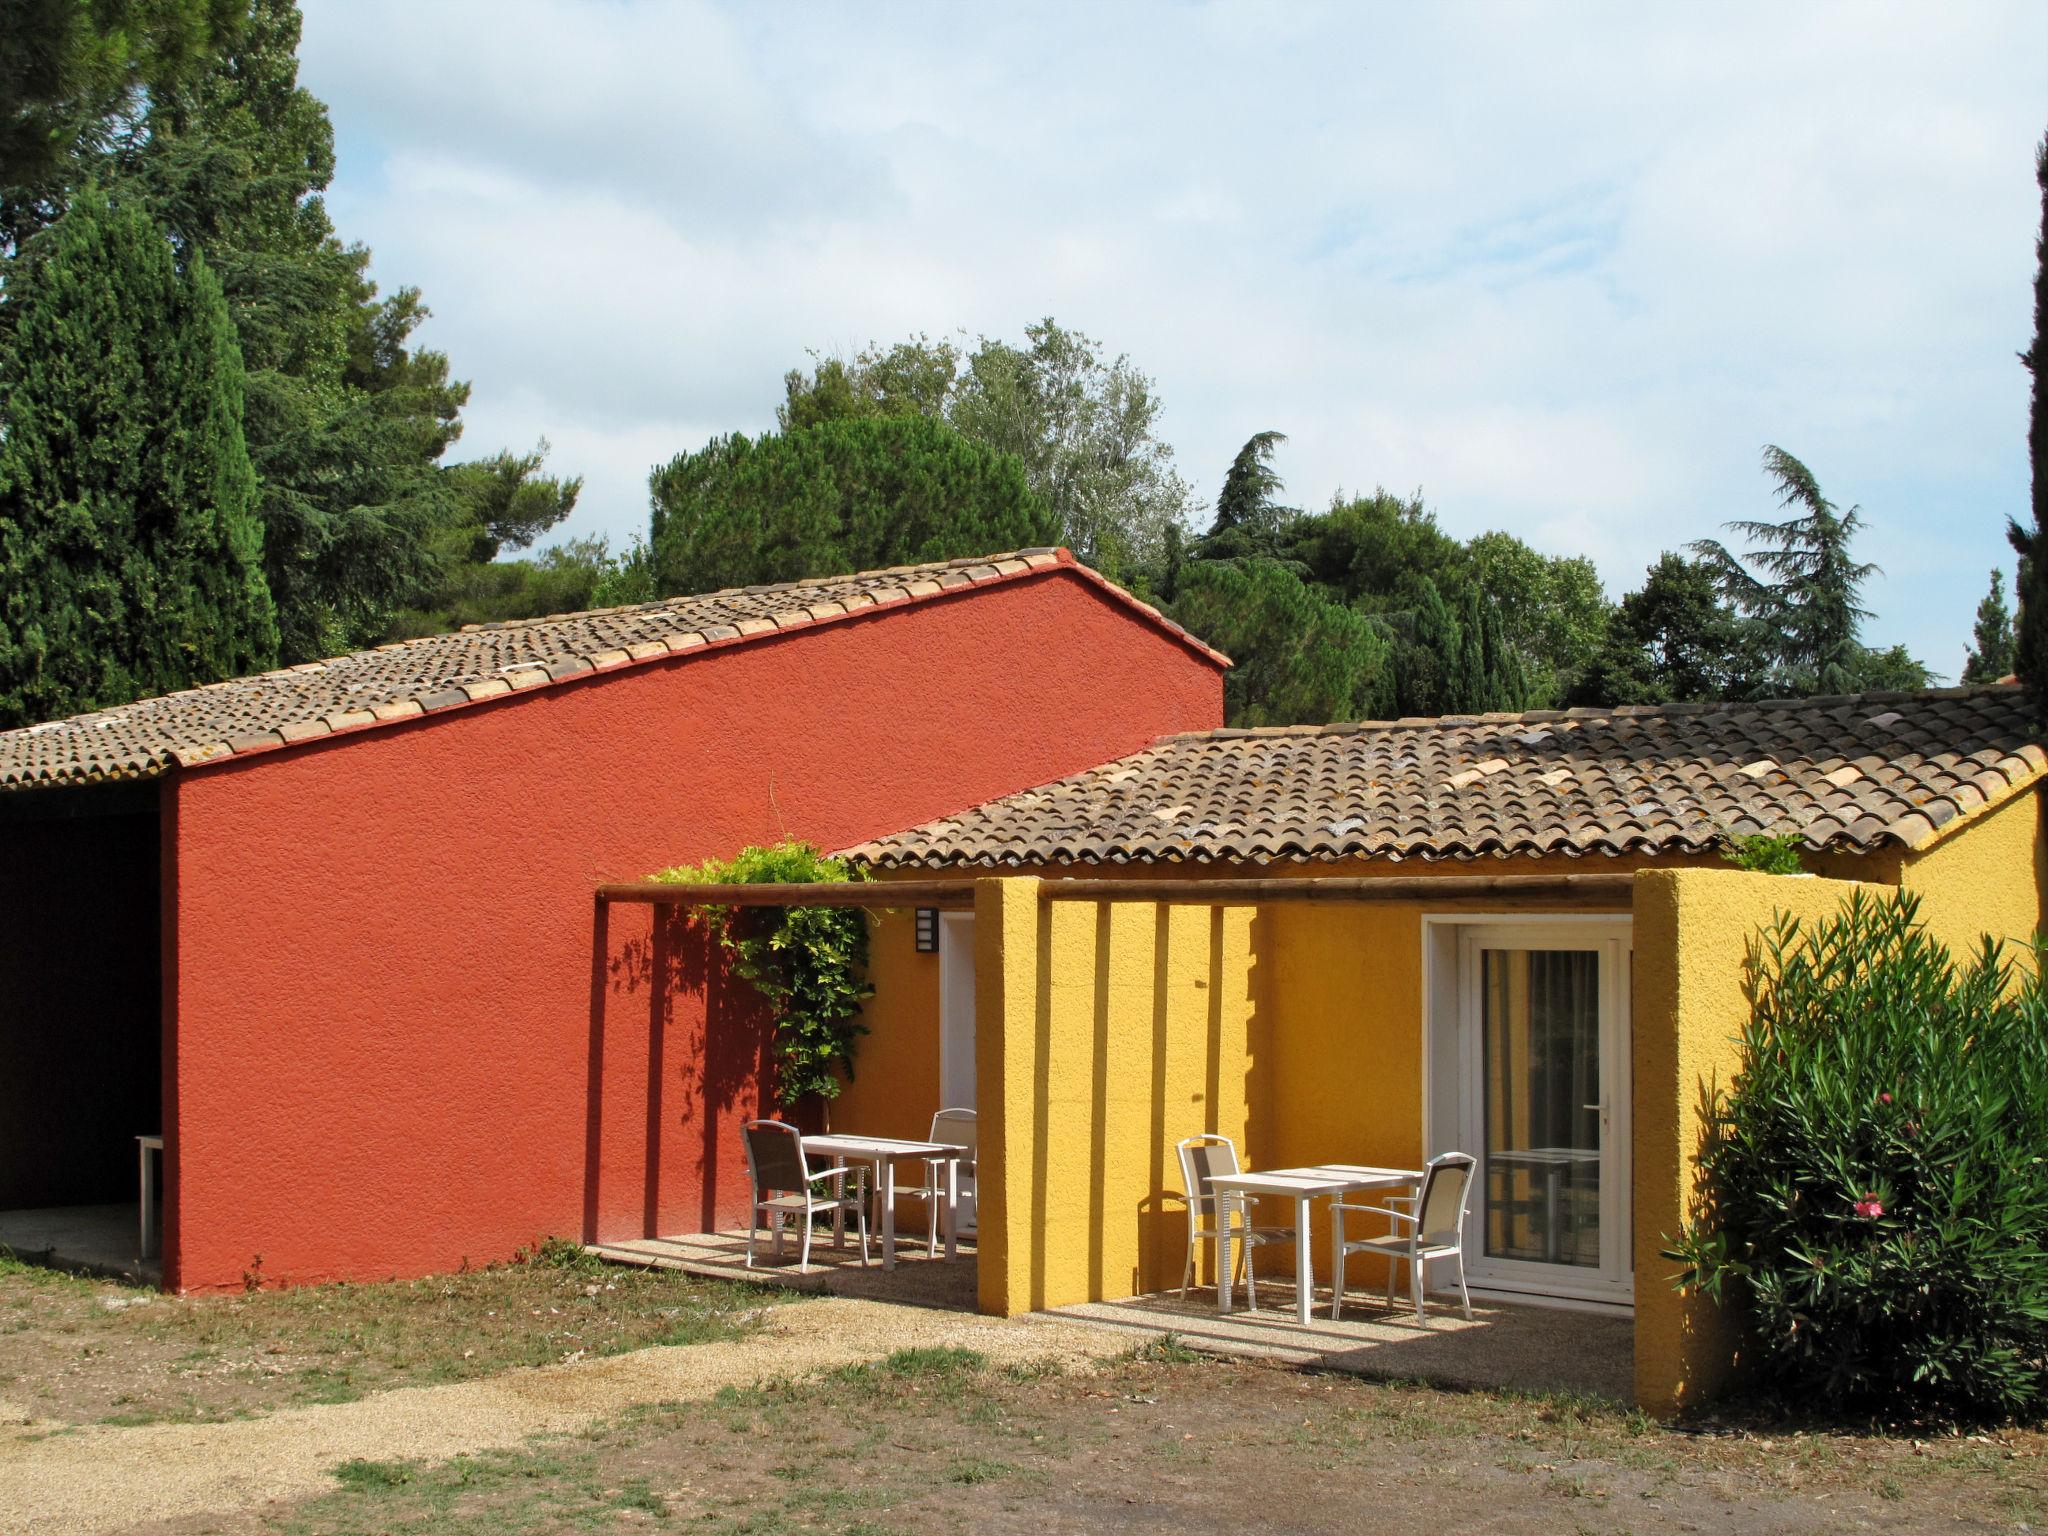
(946, 895)
(1605, 888)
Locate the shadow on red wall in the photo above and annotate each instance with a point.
(681, 1056)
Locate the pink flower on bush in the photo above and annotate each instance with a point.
(1870, 1207)
(1884, 1098)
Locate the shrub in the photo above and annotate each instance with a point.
(808, 963)
(1874, 1210)
(1765, 853)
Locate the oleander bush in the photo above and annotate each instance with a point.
(1874, 1209)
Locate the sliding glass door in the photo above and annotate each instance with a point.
(1544, 1059)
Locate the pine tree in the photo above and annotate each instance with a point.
(850, 494)
(1248, 516)
(2031, 650)
(345, 422)
(132, 557)
(1990, 656)
(1802, 600)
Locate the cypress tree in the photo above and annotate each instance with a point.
(126, 526)
(1990, 656)
(2032, 587)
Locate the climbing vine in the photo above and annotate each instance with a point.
(808, 963)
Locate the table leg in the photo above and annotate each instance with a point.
(145, 1248)
(952, 1207)
(1304, 1275)
(839, 1211)
(1223, 1270)
(887, 1170)
(1552, 1177)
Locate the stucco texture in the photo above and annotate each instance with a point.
(1106, 1032)
(1985, 875)
(402, 1037)
(1693, 932)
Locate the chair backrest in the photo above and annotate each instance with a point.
(1203, 1158)
(775, 1157)
(957, 1128)
(1440, 1212)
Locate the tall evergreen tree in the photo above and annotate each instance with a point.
(1992, 648)
(346, 422)
(1803, 599)
(75, 77)
(1248, 512)
(2031, 651)
(132, 556)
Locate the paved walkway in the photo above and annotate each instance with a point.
(1531, 1349)
(100, 1478)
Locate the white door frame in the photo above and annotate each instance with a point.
(957, 1038)
(1451, 1109)
(956, 1010)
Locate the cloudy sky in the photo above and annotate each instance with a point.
(1564, 268)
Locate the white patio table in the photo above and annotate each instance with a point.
(885, 1152)
(1553, 1163)
(1302, 1186)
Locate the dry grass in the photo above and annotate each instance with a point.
(940, 1440)
(93, 1350)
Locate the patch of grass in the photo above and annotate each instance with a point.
(940, 1361)
(1166, 1349)
(85, 1349)
(359, 1476)
(969, 1470)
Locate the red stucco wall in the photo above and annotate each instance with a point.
(393, 997)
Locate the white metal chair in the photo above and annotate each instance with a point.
(1435, 1230)
(953, 1128)
(1203, 1158)
(784, 1185)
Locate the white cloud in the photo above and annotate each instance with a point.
(1566, 270)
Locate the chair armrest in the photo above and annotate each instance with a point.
(1377, 1210)
(858, 1170)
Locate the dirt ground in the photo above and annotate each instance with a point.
(937, 1440)
(96, 1351)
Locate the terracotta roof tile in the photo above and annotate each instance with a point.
(1845, 773)
(413, 677)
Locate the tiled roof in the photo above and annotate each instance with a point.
(419, 677)
(1854, 773)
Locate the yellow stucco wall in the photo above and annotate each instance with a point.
(895, 1087)
(1106, 1032)
(1693, 929)
(1987, 874)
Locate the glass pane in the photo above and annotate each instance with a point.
(1541, 1089)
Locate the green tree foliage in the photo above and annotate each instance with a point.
(1672, 640)
(132, 556)
(2031, 645)
(346, 422)
(808, 963)
(1299, 657)
(844, 495)
(1249, 517)
(1875, 1207)
(500, 504)
(75, 77)
(1992, 647)
(1083, 426)
(1803, 595)
(1376, 550)
(1551, 609)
